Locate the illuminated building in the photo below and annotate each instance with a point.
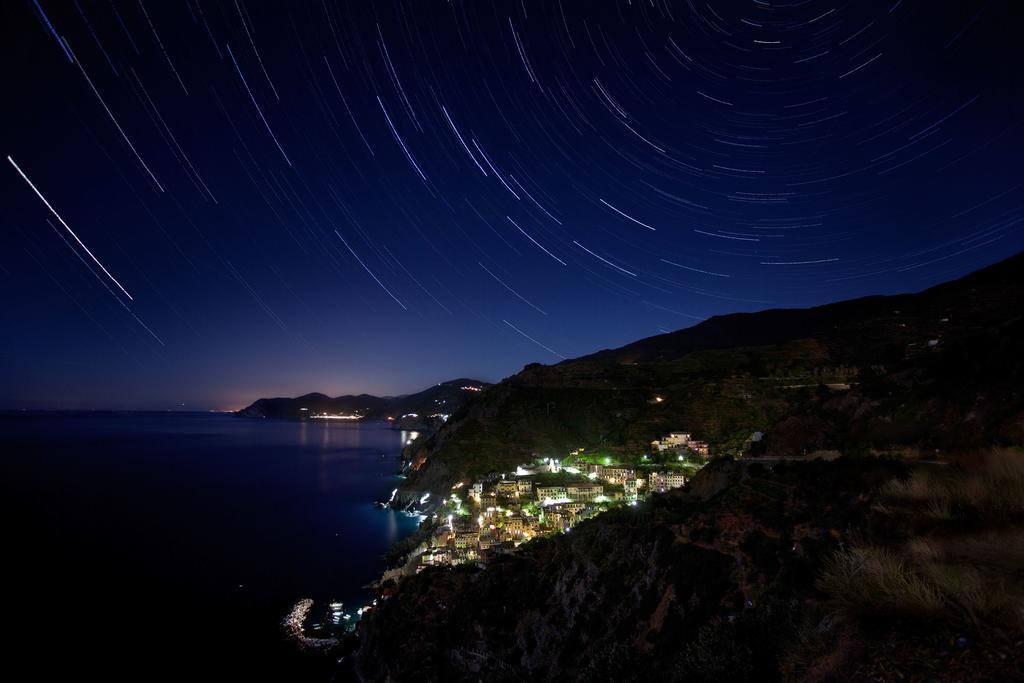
(551, 493)
(663, 481)
(584, 492)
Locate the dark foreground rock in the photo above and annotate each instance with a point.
(712, 586)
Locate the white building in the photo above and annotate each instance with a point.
(659, 482)
(678, 438)
(551, 493)
(616, 474)
(674, 440)
(584, 492)
(552, 465)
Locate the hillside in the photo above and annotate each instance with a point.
(896, 557)
(440, 399)
(938, 370)
(857, 569)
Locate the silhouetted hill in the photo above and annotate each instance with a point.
(440, 399)
(776, 326)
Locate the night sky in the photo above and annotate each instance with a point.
(202, 203)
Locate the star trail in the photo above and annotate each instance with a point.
(376, 196)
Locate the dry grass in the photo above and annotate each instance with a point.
(957, 572)
(873, 581)
(1001, 483)
(878, 582)
(997, 550)
(996, 486)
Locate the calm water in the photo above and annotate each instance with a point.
(141, 544)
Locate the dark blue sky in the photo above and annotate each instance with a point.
(255, 199)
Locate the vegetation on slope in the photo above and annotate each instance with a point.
(947, 558)
(913, 374)
(867, 569)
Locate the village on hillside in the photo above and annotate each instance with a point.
(500, 511)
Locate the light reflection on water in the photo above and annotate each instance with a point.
(217, 519)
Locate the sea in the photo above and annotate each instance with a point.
(171, 545)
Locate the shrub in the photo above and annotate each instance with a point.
(947, 492)
(1002, 480)
(873, 581)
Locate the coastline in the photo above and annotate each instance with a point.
(301, 624)
(295, 631)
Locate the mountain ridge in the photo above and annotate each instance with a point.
(724, 329)
(417, 407)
